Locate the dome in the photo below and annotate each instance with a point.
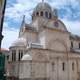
(27, 57)
(19, 42)
(43, 9)
(43, 6)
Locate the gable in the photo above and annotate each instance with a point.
(56, 24)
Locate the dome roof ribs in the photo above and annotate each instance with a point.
(19, 42)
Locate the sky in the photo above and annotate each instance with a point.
(68, 12)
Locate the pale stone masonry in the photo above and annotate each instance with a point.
(44, 50)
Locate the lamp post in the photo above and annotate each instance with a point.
(2, 57)
(2, 12)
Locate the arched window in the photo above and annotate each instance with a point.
(41, 13)
(50, 16)
(46, 14)
(37, 14)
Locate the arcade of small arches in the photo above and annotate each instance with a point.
(43, 14)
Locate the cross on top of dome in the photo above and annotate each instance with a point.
(42, 0)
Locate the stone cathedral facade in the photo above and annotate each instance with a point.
(44, 50)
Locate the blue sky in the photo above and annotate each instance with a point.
(68, 12)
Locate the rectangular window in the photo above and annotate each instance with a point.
(53, 66)
(73, 66)
(20, 54)
(71, 44)
(63, 66)
(13, 55)
(19, 57)
(79, 45)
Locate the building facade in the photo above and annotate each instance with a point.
(44, 50)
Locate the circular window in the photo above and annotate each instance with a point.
(56, 24)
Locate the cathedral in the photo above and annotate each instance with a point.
(45, 49)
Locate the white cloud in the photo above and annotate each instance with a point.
(29, 1)
(10, 35)
(26, 7)
(72, 26)
(16, 13)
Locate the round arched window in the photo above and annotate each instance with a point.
(37, 14)
(41, 13)
(50, 16)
